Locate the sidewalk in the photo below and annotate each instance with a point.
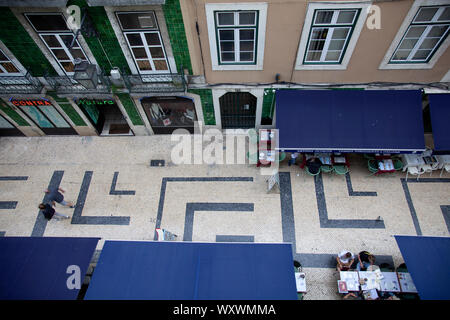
(120, 196)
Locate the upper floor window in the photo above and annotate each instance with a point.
(6, 66)
(144, 40)
(58, 38)
(236, 36)
(329, 35)
(426, 32)
(236, 33)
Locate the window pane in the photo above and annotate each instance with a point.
(340, 33)
(346, 17)
(246, 45)
(227, 46)
(408, 44)
(425, 14)
(429, 43)
(313, 56)
(227, 57)
(51, 41)
(225, 18)
(324, 17)
(139, 53)
(134, 39)
(144, 65)
(401, 55)
(437, 31)
(445, 16)
(77, 53)
(421, 55)
(37, 117)
(226, 34)
(247, 18)
(132, 21)
(9, 67)
(68, 66)
(319, 33)
(156, 52)
(48, 22)
(67, 40)
(152, 39)
(415, 32)
(160, 64)
(316, 45)
(3, 57)
(333, 56)
(336, 44)
(246, 56)
(54, 116)
(4, 123)
(60, 54)
(247, 34)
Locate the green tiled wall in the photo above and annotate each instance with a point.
(13, 114)
(177, 34)
(131, 109)
(207, 105)
(68, 109)
(107, 39)
(268, 103)
(23, 47)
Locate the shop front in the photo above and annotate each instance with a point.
(168, 113)
(44, 115)
(7, 129)
(105, 116)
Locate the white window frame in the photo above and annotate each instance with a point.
(4, 71)
(385, 63)
(351, 44)
(211, 8)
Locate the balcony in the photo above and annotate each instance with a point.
(68, 85)
(20, 84)
(155, 83)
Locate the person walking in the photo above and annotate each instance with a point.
(55, 195)
(50, 213)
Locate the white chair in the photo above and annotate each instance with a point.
(426, 168)
(446, 168)
(414, 171)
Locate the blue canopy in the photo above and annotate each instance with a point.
(193, 271)
(370, 121)
(428, 262)
(440, 121)
(36, 268)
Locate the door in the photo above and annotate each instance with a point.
(238, 110)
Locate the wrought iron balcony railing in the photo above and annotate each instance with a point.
(20, 84)
(66, 84)
(155, 83)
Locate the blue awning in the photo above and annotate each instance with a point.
(440, 121)
(193, 271)
(378, 121)
(36, 268)
(428, 262)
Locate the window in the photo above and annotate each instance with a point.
(143, 37)
(57, 37)
(6, 66)
(236, 35)
(428, 29)
(329, 35)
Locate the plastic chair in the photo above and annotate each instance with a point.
(310, 173)
(398, 164)
(386, 267)
(326, 168)
(369, 156)
(253, 136)
(281, 157)
(446, 168)
(253, 158)
(340, 169)
(414, 171)
(372, 165)
(427, 168)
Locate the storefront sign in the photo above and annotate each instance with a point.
(94, 101)
(30, 102)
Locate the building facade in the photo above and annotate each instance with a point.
(135, 67)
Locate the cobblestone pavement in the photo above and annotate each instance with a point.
(119, 195)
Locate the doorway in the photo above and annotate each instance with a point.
(238, 110)
(105, 116)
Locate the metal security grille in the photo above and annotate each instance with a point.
(238, 110)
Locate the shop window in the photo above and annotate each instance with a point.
(143, 37)
(58, 38)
